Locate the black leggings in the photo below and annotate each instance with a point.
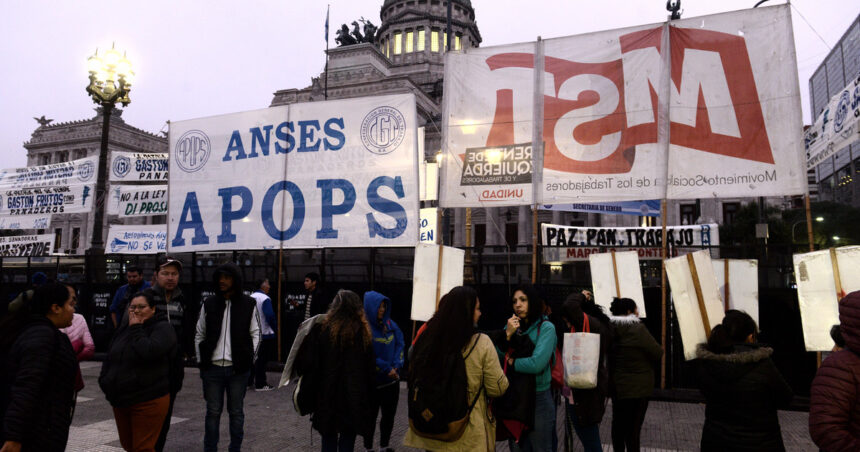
(385, 398)
(627, 418)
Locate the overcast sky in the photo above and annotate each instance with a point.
(197, 58)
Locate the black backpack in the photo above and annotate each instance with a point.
(439, 405)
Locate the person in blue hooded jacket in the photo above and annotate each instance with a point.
(388, 352)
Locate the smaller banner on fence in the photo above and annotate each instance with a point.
(27, 245)
(138, 200)
(137, 239)
(836, 127)
(26, 222)
(695, 297)
(47, 200)
(137, 167)
(76, 172)
(437, 270)
(575, 243)
(649, 208)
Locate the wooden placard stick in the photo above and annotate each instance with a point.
(726, 272)
(836, 277)
(702, 309)
(439, 277)
(615, 273)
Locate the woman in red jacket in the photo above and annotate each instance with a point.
(834, 404)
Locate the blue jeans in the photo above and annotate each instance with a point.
(539, 439)
(589, 435)
(345, 442)
(216, 381)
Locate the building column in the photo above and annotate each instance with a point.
(459, 227)
(494, 226)
(524, 225)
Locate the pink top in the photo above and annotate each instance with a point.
(79, 335)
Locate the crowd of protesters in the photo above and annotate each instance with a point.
(467, 388)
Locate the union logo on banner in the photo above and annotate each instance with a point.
(192, 151)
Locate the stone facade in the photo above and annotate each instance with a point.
(62, 142)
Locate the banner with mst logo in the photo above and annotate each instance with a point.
(321, 174)
(696, 108)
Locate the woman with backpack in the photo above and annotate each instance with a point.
(634, 356)
(135, 375)
(584, 408)
(449, 341)
(344, 372)
(743, 389)
(529, 324)
(37, 372)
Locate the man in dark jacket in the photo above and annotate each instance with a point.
(834, 403)
(388, 352)
(227, 338)
(315, 302)
(37, 378)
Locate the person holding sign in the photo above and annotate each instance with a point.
(635, 353)
(742, 387)
(528, 322)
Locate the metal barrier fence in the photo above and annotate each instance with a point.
(496, 271)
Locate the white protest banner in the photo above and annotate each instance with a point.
(648, 208)
(623, 121)
(322, 174)
(836, 127)
(427, 232)
(27, 245)
(437, 270)
(46, 200)
(821, 282)
(137, 200)
(695, 297)
(575, 243)
(616, 275)
(137, 239)
(741, 291)
(26, 222)
(137, 167)
(76, 172)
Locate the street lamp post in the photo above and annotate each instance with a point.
(110, 82)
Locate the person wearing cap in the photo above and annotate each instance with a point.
(181, 315)
(119, 305)
(227, 340)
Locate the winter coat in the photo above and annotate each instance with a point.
(387, 338)
(345, 381)
(137, 368)
(589, 405)
(482, 369)
(38, 388)
(834, 403)
(743, 391)
(518, 402)
(182, 314)
(633, 358)
(79, 336)
(538, 363)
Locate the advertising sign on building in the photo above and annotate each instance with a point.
(836, 127)
(622, 121)
(27, 245)
(575, 243)
(137, 200)
(47, 200)
(321, 174)
(137, 167)
(76, 172)
(137, 239)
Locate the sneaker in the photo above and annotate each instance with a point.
(264, 388)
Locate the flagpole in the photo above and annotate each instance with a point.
(325, 89)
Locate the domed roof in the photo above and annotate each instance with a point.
(466, 3)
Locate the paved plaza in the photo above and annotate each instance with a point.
(272, 425)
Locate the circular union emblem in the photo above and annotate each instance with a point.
(382, 130)
(841, 112)
(121, 166)
(86, 171)
(192, 151)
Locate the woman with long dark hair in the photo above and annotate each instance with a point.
(743, 389)
(135, 376)
(345, 376)
(529, 323)
(635, 354)
(452, 330)
(37, 372)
